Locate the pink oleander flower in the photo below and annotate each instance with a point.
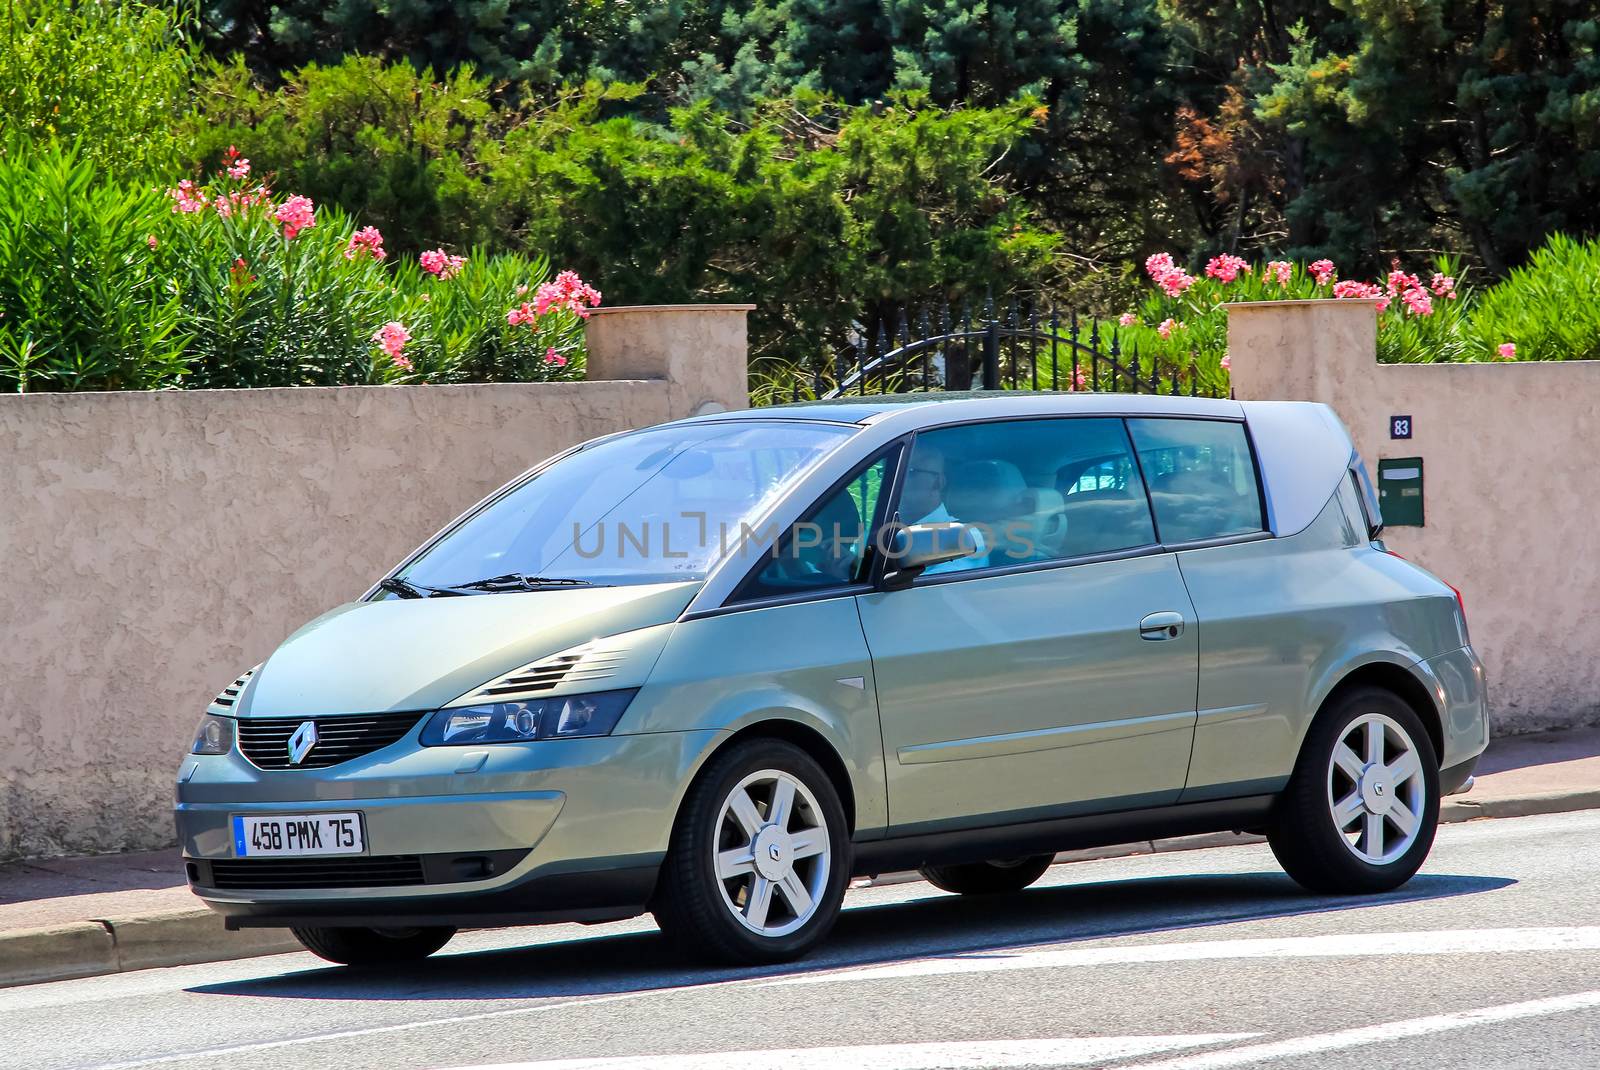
(554, 359)
(1418, 300)
(441, 264)
(150, 240)
(1279, 270)
(1080, 381)
(523, 313)
(1226, 268)
(187, 197)
(1323, 271)
(367, 239)
(1507, 351)
(1443, 285)
(296, 214)
(567, 291)
(235, 165)
(1399, 282)
(1128, 319)
(1352, 288)
(240, 271)
(1174, 282)
(1227, 362)
(392, 338)
(522, 290)
(1168, 326)
(1158, 265)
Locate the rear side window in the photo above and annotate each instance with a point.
(1201, 476)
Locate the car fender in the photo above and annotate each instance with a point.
(1356, 659)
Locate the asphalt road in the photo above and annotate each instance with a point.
(1186, 961)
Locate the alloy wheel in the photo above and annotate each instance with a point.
(773, 857)
(1376, 789)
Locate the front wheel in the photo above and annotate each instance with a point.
(373, 947)
(988, 878)
(1362, 807)
(759, 858)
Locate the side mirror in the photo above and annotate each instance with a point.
(915, 548)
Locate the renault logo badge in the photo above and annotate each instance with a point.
(300, 744)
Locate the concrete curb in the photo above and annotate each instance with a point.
(185, 938)
(138, 942)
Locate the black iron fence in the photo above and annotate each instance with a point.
(1022, 346)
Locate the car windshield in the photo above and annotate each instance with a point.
(656, 506)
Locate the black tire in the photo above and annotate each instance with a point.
(689, 904)
(373, 947)
(988, 878)
(1303, 833)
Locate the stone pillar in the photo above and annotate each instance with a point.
(1323, 350)
(700, 351)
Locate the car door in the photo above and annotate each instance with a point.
(1054, 671)
(1268, 607)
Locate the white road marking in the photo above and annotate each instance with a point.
(1375, 1034)
(377, 1030)
(1443, 942)
(1065, 1051)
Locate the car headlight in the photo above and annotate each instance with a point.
(214, 736)
(567, 717)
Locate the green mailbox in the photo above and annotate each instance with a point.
(1400, 491)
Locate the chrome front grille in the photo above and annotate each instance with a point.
(265, 740)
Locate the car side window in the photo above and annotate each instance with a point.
(1037, 490)
(1202, 478)
(828, 546)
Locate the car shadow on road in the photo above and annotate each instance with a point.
(935, 925)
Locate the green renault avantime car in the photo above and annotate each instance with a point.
(715, 668)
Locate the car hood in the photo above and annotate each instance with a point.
(420, 653)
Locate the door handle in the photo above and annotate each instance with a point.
(1156, 626)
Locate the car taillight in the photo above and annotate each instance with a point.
(1461, 603)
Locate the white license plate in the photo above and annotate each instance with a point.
(297, 834)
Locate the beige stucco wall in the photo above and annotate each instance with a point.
(153, 545)
(1510, 486)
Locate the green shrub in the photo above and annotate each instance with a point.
(1182, 320)
(111, 76)
(82, 303)
(384, 143)
(805, 207)
(277, 292)
(1548, 309)
(228, 284)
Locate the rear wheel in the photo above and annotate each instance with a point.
(373, 947)
(759, 859)
(988, 878)
(1362, 807)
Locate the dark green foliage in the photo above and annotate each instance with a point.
(382, 142)
(545, 42)
(82, 304)
(808, 208)
(111, 75)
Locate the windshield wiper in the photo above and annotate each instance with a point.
(516, 581)
(407, 589)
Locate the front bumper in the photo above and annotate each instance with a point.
(553, 830)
